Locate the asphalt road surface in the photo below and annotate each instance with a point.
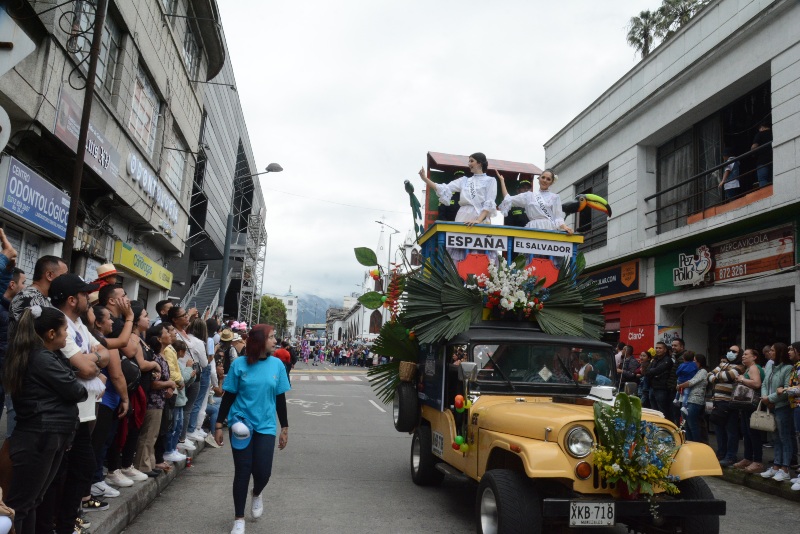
(347, 470)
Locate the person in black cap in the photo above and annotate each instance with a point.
(516, 215)
(447, 212)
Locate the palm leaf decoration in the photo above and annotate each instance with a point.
(572, 307)
(436, 304)
(393, 342)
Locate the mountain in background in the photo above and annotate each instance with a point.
(311, 308)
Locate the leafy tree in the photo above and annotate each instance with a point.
(273, 312)
(673, 14)
(642, 32)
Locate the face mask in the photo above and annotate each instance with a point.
(731, 355)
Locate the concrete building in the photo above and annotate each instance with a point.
(142, 147)
(678, 258)
(292, 303)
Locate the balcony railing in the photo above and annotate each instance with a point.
(699, 193)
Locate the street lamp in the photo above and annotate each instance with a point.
(389, 256)
(223, 286)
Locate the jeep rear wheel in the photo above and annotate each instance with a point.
(405, 407)
(507, 504)
(423, 462)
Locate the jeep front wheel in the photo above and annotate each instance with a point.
(507, 504)
(697, 489)
(405, 407)
(423, 462)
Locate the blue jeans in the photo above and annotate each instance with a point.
(659, 400)
(751, 438)
(763, 174)
(727, 433)
(693, 431)
(212, 410)
(783, 436)
(205, 382)
(254, 460)
(174, 433)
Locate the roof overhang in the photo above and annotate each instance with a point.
(208, 21)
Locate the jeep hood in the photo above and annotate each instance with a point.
(530, 418)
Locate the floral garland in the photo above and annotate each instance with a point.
(630, 450)
(511, 289)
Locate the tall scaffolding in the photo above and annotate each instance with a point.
(253, 268)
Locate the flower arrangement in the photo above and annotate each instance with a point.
(511, 289)
(631, 451)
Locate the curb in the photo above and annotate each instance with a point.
(764, 485)
(132, 501)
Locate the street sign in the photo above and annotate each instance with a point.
(16, 44)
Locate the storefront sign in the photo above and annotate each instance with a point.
(666, 334)
(754, 254)
(134, 261)
(101, 156)
(33, 199)
(475, 241)
(543, 248)
(692, 269)
(638, 323)
(141, 174)
(618, 281)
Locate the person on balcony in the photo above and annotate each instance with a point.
(763, 156)
(542, 207)
(730, 178)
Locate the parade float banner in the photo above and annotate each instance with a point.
(618, 281)
(540, 247)
(34, 200)
(754, 254)
(476, 241)
(102, 157)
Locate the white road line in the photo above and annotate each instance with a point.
(339, 378)
(323, 378)
(378, 407)
(355, 378)
(305, 377)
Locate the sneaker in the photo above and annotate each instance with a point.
(201, 432)
(238, 527)
(82, 521)
(174, 456)
(94, 505)
(755, 467)
(80, 530)
(795, 480)
(119, 480)
(133, 474)
(196, 435)
(727, 462)
(101, 489)
(781, 475)
(187, 445)
(741, 464)
(796, 486)
(769, 473)
(257, 506)
(211, 441)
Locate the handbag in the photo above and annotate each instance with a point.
(131, 372)
(719, 413)
(762, 420)
(743, 396)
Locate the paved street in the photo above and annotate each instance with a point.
(346, 470)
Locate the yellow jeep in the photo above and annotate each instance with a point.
(525, 433)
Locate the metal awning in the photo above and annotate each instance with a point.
(454, 162)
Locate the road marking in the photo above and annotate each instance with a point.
(378, 407)
(305, 377)
(355, 379)
(339, 378)
(317, 414)
(323, 378)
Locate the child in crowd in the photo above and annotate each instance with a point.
(685, 372)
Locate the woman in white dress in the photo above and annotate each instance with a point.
(542, 207)
(478, 192)
(477, 202)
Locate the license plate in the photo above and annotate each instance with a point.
(591, 514)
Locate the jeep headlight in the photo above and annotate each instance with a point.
(665, 436)
(579, 442)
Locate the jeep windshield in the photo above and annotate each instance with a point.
(542, 367)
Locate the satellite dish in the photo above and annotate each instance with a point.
(5, 128)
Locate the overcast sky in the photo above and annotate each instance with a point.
(349, 96)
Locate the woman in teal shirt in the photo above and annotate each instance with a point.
(254, 392)
(776, 377)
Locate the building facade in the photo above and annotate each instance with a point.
(679, 257)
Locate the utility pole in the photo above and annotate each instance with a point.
(80, 151)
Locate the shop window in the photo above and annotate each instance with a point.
(175, 162)
(191, 51)
(80, 42)
(592, 223)
(145, 108)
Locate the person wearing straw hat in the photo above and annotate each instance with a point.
(254, 392)
(106, 275)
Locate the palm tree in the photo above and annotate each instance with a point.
(673, 14)
(642, 32)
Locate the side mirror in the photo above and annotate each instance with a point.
(467, 371)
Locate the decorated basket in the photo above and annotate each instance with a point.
(407, 371)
